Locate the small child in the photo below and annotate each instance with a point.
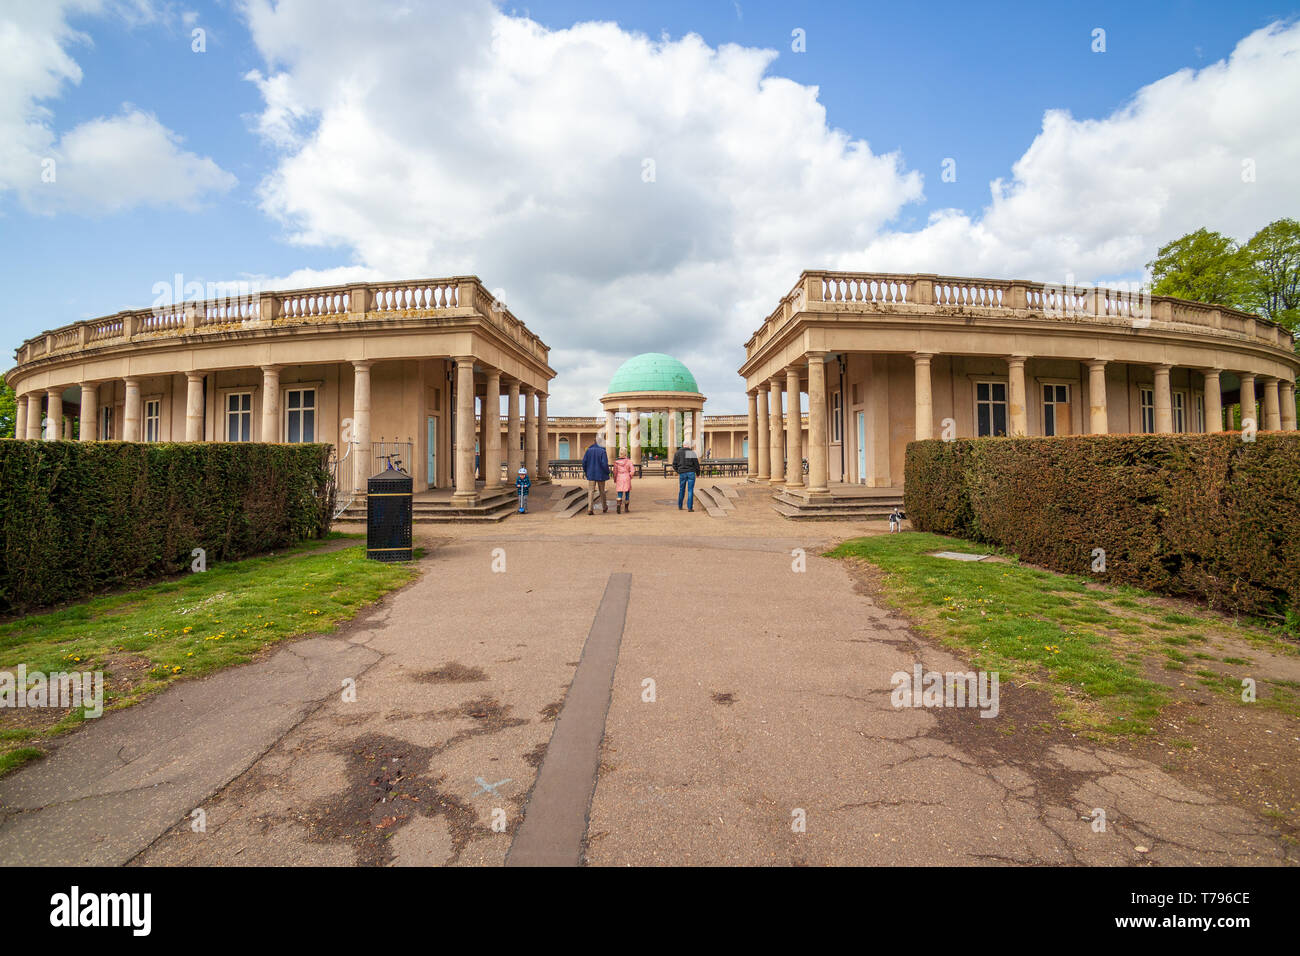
(522, 484)
(623, 469)
(896, 520)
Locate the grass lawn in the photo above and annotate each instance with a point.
(1093, 647)
(145, 639)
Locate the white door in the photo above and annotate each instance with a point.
(432, 473)
(862, 447)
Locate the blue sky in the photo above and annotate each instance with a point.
(923, 81)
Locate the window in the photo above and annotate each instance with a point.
(106, 423)
(152, 420)
(837, 416)
(1198, 412)
(1147, 407)
(990, 408)
(1179, 408)
(1056, 409)
(239, 416)
(300, 411)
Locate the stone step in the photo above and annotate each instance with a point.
(709, 499)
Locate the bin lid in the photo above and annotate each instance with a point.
(391, 474)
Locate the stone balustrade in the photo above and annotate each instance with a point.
(285, 310)
(832, 292)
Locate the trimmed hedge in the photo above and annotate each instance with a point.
(1207, 516)
(78, 518)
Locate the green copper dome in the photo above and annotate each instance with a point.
(653, 372)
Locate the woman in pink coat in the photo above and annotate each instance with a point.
(623, 482)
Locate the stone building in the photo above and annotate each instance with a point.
(411, 363)
(886, 359)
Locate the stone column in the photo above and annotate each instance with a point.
(20, 417)
(1272, 406)
(361, 463)
(1098, 413)
(1017, 416)
(530, 432)
(764, 399)
(270, 404)
(465, 493)
(670, 430)
(818, 436)
(194, 407)
(481, 437)
(611, 436)
(1164, 401)
(54, 413)
(512, 431)
(491, 454)
(1248, 398)
(1287, 399)
(924, 400)
(793, 430)
(634, 434)
(1213, 401)
(131, 414)
(543, 470)
(34, 416)
(89, 411)
(776, 443)
(751, 471)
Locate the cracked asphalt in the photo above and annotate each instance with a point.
(749, 722)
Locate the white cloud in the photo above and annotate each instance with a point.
(437, 142)
(102, 165)
(432, 142)
(1096, 198)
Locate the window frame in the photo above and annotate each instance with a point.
(288, 412)
(1043, 403)
(837, 417)
(227, 412)
(151, 424)
(992, 403)
(1179, 406)
(1147, 409)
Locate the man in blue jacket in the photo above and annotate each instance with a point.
(595, 465)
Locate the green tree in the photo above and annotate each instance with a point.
(8, 410)
(1272, 269)
(1202, 266)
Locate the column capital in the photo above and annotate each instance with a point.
(1017, 361)
(273, 367)
(922, 358)
(1162, 367)
(1096, 363)
(195, 376)
(360, 364)
(816, 353)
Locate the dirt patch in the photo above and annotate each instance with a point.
(453, 672)
(386, 789)
(551, 711)
(535, 756)
(725, 699)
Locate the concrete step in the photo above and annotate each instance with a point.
(712, 502)
(875, 507)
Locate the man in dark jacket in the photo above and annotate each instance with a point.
(595, 465)
(687, 464)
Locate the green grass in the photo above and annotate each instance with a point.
(1090, 646)
(194, 624)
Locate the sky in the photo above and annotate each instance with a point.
(626, 177)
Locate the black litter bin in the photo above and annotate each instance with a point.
(388, 516)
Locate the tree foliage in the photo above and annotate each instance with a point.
(1262, 275)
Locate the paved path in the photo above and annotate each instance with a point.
(770, 706)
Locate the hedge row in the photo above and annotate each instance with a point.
(77, 518)
(1207, 516)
